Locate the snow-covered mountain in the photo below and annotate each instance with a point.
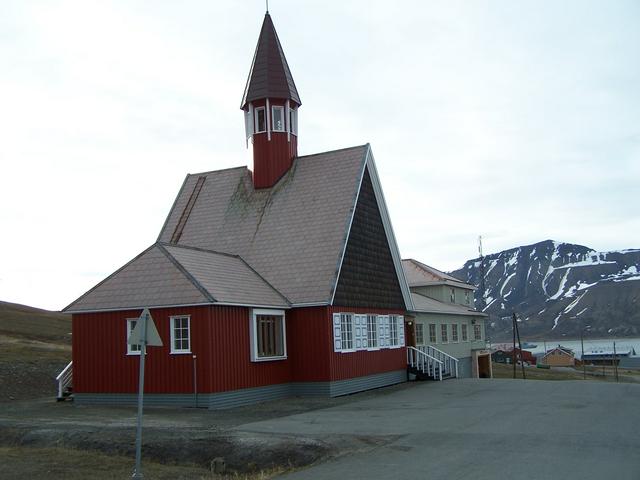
(558, 289)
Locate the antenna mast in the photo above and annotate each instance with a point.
(482, 284)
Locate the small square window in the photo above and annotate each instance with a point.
(268, 335)
(180, 334)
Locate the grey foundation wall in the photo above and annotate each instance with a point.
(464, 367)
(247, 396)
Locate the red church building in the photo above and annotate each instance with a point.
(285, 280)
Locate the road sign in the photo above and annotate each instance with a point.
(139, 336)
(143, 334)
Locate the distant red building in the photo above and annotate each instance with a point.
(284, 280)
(507, 356)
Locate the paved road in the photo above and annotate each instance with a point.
(480, 429)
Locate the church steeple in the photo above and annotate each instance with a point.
(270, 103)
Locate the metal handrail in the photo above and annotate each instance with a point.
(424, 362)
(64, 379)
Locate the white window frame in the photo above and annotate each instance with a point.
(444, 329)
(172, 330)
(347, 319)
(465, 332)
(477, 328)
(253, 334)
(433, 338)
(455, 337)
(293, 120)
(419, 328)
(131, 350)
(256, 115)
(273, 117)
(373, 342)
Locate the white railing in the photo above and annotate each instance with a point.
(64, 379)
(450, 364)
(425, 363)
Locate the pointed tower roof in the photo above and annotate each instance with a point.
(269, 76)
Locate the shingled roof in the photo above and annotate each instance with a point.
(165, 275)
(226, 242)
(419, 275)
(269, 76)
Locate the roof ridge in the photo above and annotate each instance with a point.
(189, 247)
(216, 171)
(263, 279)
(365, 145)
(186, 273)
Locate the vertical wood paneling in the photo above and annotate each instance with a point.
(310, 344)
(272, 158)
(360, 363)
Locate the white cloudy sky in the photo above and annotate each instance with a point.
(519, 121)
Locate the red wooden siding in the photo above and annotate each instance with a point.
(272, 158)
(361, 363)
(311, 344)
(230, 366)
(219, 339)
(101, 363)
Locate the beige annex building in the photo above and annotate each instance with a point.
(444, 318)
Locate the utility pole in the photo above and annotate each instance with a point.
(615, 363)
(513, 320)
(584, 369)
(482, 284)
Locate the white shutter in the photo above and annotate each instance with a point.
(401, 330)
(337, 334)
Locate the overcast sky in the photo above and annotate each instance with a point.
(517, 121)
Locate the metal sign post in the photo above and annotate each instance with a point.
(144, 333)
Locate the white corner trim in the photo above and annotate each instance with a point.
(388, 229)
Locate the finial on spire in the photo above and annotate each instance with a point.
(267, 5)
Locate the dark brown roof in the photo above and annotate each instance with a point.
(269, 76)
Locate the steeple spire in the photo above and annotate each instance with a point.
(269, 76)
(270, 102)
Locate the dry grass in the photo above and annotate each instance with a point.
(33, 323)
(501, 370)
(49, 463)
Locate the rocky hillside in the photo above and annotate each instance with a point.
(558, 289)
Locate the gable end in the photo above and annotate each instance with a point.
(368, 275)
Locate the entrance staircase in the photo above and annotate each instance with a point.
(65, 383)
(428, 363)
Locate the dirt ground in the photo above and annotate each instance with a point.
(178, 437)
